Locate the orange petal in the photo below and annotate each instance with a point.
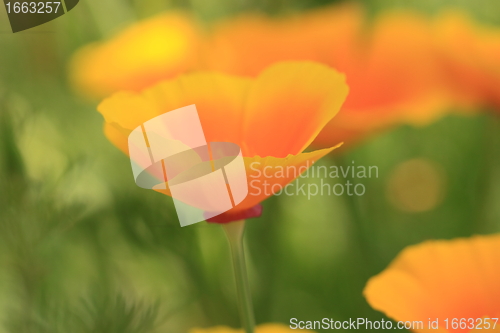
(288, 105)
(470, 54)
(399, 74)
(246, 44)
(393, 79)
(219, 99)
(268, 175)
(440, 279)
(145, 53)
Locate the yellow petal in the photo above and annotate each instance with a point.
(117, 136)
(128, 109)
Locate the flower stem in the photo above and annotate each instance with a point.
(234, 232)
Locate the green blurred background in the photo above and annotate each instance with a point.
(83, 249)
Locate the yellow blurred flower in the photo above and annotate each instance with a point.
(455, 279)
(264, 328)
(273, 117)
(471, 56)
(143, 54)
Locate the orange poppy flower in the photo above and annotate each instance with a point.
(390, 64)
(454, 282)
(470, 54)
(264, 328)
(145, 53)
(246, 44)
(394, 77)
(273, 118)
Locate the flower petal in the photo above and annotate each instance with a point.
(470, 55)
(268, 175)
(440, 279)
(288, 105)
(244, 45)
(117, 136)
(128, 109)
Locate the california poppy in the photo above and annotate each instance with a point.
(454, 282)
(273, 118)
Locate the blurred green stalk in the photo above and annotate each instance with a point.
(234, 232)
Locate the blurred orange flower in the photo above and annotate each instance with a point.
(391, 65)
(145, 53)
(471, 57)
(265, 328)
(440, 280)
(273, 117)
(246, 44)
(394, 77)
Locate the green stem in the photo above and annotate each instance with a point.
(234, 232)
